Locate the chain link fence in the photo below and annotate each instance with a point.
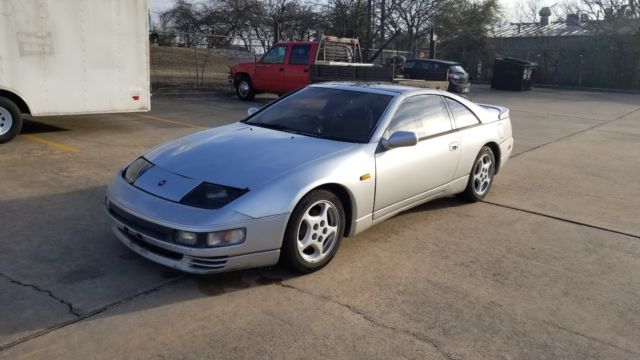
(196, 60)
(568, 62)
(203, 61)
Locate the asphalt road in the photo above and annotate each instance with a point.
(548, 267)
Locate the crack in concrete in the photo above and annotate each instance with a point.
(420, 338)
(91, 313)
(577, 333)
(606, 122)
(44, 291)
(575, 222)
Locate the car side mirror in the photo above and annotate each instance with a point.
(400, 139)
(252, 110)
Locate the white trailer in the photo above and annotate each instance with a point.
(62, 57)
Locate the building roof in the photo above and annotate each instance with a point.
(535, 30)
(568, 28)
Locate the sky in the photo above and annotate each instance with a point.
(510, 7)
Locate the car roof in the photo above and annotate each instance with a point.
(374, 87)
(448, 62)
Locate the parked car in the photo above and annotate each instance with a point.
(292, 179)
(291, 65)
(439, 70)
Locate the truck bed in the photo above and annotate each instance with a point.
(350, 72)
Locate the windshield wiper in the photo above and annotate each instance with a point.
(271, 126)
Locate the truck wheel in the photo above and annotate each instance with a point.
(244, 88)
(10, 120)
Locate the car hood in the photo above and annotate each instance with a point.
(240, 155)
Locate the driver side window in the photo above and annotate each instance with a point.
(424, 115)
(275, 55)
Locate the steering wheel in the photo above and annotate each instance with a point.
(318, 125)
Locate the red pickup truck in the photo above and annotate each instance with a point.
(288, 66)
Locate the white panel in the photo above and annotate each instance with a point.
(76, 56)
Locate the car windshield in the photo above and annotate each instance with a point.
(458, 68)
(335, 114)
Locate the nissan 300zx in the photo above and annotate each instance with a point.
(296, 176)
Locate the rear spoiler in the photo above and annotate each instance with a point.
(501, 111)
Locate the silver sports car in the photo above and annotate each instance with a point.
(296, 176)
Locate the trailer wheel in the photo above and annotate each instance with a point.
(10, 120)
(244, 88)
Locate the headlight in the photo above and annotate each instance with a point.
(211, 196)
(212, 239)
(228, 237)
(187, 237)
(136, 169)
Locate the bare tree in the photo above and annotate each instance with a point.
(415, 18)
(182, 18)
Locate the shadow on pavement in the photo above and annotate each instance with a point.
(66, 263)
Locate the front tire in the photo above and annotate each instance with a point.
(244, 88)
(314, 232)
(481, 176)
(10, 120)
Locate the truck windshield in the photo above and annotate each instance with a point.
(336, 114)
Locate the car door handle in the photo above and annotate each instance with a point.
(454, 146)
(306, 70)
(281, 69)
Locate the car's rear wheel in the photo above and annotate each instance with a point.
(314, 232)
(10, 120)
(244, 88)
(481, 176)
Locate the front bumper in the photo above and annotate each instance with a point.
(459, 88)
(149, 248)
(146, 224)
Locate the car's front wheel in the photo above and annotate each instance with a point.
(481, 176)
(314, 232)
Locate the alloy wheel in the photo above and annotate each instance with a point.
(482, 174)
(318, 231)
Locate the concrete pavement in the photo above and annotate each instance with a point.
(546, 268)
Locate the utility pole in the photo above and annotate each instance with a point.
(276, 32)
(383, 15)
(368, 41)
(432, 45)
(195, 55)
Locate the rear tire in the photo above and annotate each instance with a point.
(244, 88)
(314, 232)
(10, 120)
(481, 176)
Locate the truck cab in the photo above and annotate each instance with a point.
(287, 66)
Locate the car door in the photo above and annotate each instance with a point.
(438, 71)
(269, 74)
(421, 70)
(410, 69)
(296, 74)
(407, 175)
